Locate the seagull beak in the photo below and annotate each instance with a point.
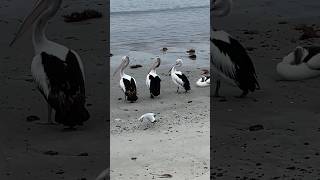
(41, 5)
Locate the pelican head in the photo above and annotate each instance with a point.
(298, 54)
(156, 64)
(47, 8)
(205, 72)
(179, 62)
(125, 62)
(221, 8)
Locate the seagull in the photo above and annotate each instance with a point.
(153, 80)
(148, 116)
(57, 70)
(179, 78)
(127, 83)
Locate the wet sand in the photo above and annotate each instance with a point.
(287, 147)
(33, 151)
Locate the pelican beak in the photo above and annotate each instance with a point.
(41, 5)
(118, 68)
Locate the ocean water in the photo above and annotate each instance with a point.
(140, 28)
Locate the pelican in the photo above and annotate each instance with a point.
(302, 63)
(221, 8)
(56, 69)
(127, 83)
(153, 80)
(148, 116)
(179, 78)
(229, 58)
(204, 81)
(231, 61)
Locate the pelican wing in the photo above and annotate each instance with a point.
(313, 58)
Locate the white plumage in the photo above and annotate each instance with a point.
(204, 80)
(148, 116)
(153, 80)
(179, 78)
(127, 83)
(303, 63)
(56, 69)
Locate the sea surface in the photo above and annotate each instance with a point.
(140, 28)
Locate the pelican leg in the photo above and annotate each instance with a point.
(151, 96)
(244, 94)
(49, 114)
(218, 84)
(50, 121)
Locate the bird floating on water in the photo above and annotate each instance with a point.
(57, 70)
(204, 81)
(179, 78)
(153, 81)
(127, 83)
(148, 116)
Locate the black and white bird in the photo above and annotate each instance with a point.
(148, 116)
(127, 83)
(229, 58)
(153, 81)
(302, 63)
(56, 69)
(179, 78)
(231, 61)
(204, 80)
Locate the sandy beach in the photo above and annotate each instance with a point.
(177, 144)
(33, 151)
(286, 147)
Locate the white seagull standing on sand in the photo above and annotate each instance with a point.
(127, 83)
(153, 81)
(56, 69)
(229, 58)
(148, 116)
(179, 78)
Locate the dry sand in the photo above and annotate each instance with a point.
(77, 154)
(288, 145)
(177, 144)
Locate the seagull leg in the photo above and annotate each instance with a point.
(178, 90)
(151, 96)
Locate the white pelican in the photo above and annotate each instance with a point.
(153, 80)
(231, 61)
(303, 63)
(179, 78)
(56, 69)
(204, 81)
(148, 116)
(127, 83)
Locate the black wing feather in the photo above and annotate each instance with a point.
(67, 89)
